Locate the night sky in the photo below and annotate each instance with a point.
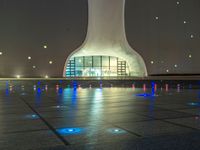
(166, 33)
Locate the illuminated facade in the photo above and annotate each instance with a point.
(105, 51)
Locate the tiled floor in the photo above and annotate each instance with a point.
(107, 118)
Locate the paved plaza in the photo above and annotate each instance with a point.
(53, 117)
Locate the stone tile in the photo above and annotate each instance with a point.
(153, 128)
(29, 140)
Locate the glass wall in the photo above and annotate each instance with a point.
(95, 66)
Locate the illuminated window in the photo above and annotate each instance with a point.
(96, 66)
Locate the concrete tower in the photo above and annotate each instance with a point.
(105, 41)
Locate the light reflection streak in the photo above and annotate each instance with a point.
(38, 98)
(144, 87)
(166, 87)
(96, 107)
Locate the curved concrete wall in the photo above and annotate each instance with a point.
(106, 36)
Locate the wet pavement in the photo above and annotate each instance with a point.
(36, 117)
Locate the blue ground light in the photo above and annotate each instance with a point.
(70, 131)
(194, 104)
(149, 95)
(32, 116)
(23, 94)
(116, 131)
(145, 95)
(59, 106)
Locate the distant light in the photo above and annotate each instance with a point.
(177, 3)
(45, 46)
(46, 76)
(175, 65)
(1, 53)
(34, 67)
(167, 70)
(152, 62)
(157, 18)
(50, 62)
(184, 22)
(18, 76)
(29, 57)
(192, 36)
(190, 56)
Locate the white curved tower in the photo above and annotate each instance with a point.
(105, 51)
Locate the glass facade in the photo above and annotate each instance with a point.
(94, 66)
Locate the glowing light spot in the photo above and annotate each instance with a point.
(45, 46)
(194, 104)
(184, 22)
(23, 94)
(32, 116)
(46, 87)
(46, 76)
(167, 70)
(39, 90)
(166, 87)
(175, 65)
(29, 57)
(178, 87)
(192, 36)
(144, 95)
(133, 86)
(116, 131)
(69, 131)
(18, 76)
(144, 87)
(190, 56)
(152, 62)
(50, 62)
(157, 18)
(1, 53)
(59, 106)
(34, 87)
(177, 3)
(60, 90)
(34, 67)
(155, 87)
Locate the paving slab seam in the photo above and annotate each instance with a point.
(164, 120)
(25, 131)
(154, 118)
(46, 123)
(138, 135)
(172, 110)
(180, 125)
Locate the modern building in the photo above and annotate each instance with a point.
(105, 51)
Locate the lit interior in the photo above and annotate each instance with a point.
(96, 66)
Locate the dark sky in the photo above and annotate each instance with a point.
(155, 29)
